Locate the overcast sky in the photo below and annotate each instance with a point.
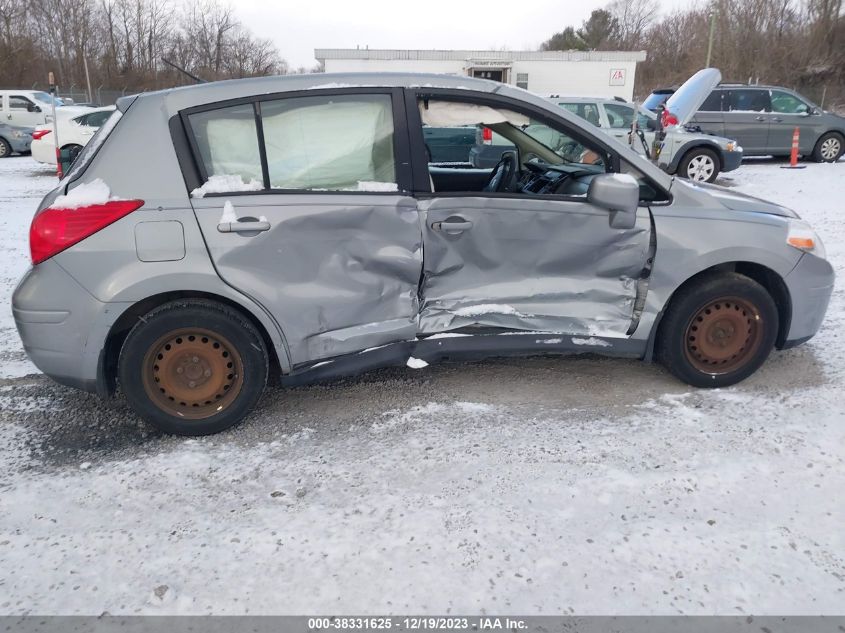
(298, 28)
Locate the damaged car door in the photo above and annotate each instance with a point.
(527, 251)
(302, 210)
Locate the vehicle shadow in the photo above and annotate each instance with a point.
(66, 427)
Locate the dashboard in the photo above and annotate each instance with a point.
(542, 178)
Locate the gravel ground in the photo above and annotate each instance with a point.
(544, 485)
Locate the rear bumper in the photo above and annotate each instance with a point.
(63, 328)
(731, 160)
(810, 285)
(44, 152)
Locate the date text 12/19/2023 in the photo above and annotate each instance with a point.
(411, 623)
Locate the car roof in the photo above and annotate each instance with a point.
(566, 99)
(211, 92)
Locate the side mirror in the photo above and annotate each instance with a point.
(619, 194)
(33, 108)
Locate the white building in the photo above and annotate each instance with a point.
(571, 73)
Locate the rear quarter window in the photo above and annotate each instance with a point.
(90, 150)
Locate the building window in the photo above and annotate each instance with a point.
(522, 80)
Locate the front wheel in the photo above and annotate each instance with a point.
(193, 367)
(699, 164)
(829, 148)
(718, 331)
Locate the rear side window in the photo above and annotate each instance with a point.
(619, 116)
(750, 100)
(334, 143)
(227, 141)
(95, 119)
(713, 102)
(587, 111)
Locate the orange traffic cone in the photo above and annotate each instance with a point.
(793, 155)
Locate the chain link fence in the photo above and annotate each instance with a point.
(79, 94)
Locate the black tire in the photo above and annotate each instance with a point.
(829, 148)
(5, 148)
(718, 331)
(211, 345)
(690, 163)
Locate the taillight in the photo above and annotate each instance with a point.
(37, 134)
(487, 136)
(669, 119)
(55, 229)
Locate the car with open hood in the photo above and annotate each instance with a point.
(763, 120)
(683, 149)
(212, 236)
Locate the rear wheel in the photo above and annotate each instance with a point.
(193, 367)
(719, 331)
(699, 164)
(5, 148)
(829, 148)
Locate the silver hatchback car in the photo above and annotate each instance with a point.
(211, 236)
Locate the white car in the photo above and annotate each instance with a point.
(74, 133)
(28, 108)
(685, 151)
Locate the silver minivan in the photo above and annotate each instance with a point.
(214, 235)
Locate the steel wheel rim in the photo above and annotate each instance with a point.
(701, 168)
(192, 373)
(723, 334)
(830, 148)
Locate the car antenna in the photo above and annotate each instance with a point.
(184, 72)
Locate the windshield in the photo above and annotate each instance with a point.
(44, 97)
(655, 99)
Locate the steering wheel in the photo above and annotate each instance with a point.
(503, 177)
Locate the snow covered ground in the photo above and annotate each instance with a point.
(538, 486)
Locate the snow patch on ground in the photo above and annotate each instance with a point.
(513, 487)
(416, 363)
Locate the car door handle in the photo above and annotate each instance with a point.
(452, 226)
(243, 227)
(777, 119)
(760, 118)
(86, 133)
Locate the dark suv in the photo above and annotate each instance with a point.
(762, 119)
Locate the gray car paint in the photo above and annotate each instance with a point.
(547, 265)
(18, 138)
(766, 132)
(358, 297)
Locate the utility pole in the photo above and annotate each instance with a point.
(54, 94)
(710, 42)
(87, 76)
